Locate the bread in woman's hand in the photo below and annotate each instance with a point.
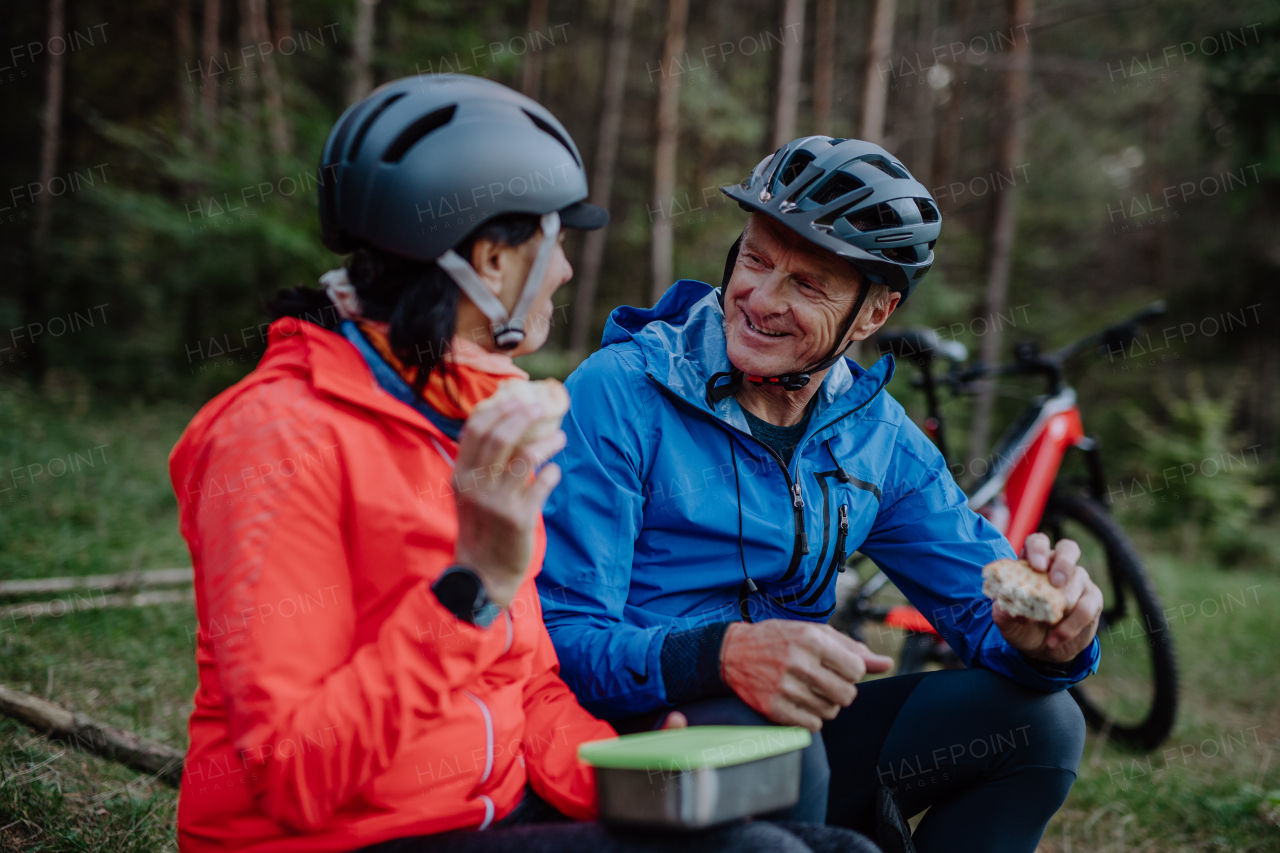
(549, 392)
(1022, 591)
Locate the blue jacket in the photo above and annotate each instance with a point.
(643, 530)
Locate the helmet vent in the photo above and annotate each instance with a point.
(875, 219)
(546, 127)
(902, 254)
(928, 213)
(885, 166)
(794, 167)
(840, 184)
(433, 120)
(358, 140)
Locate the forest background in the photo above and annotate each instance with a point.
(159, 184)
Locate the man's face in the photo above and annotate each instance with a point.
(785, 302)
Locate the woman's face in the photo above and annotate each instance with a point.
(505, 268)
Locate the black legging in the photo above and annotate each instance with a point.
(991, 760)
(573, 837)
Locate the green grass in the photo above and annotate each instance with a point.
(110, 508)
(135, 668)
(1203, 789)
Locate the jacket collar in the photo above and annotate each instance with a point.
(682, 341)
(336, 368)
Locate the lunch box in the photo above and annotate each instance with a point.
(698, 776)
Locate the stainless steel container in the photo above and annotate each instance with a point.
(698, 777)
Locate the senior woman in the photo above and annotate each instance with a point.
(723, 459)
(374, 672)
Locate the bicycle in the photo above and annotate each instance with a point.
(1133, 696)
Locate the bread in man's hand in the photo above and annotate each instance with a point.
(1022, 591)
(549, 392)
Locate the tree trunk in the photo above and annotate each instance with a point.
(273, 90)
(531, 84)
(789, 56)
(824, 65)
(182, 46)
(875, 89)
(35, 285)
(948, 151)
(1156, 130)
(209, 83)
(615, 86)
(52, 125)
(1010, 127)
(921, 164)
(362, 52)
(664, 160)
(247, 91)
(283, 20)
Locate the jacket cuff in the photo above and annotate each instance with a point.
(691, 663)
(1050, 677)
(1049, 668)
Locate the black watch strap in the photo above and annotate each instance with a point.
(463, 594)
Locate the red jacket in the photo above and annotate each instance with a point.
(339, 704)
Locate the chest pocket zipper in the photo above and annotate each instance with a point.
(797, 506)
(837, 558)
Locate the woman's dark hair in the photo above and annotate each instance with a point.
(417, 298)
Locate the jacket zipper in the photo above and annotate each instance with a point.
(826, 537)
(801, 546)
(837, 559)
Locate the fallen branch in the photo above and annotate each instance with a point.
(123, 580)
(76, 603)
(60, 724)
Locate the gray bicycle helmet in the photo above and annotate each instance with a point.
(852, 198)
(423, 161)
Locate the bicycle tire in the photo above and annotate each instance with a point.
(1130, 583)
(916, 653)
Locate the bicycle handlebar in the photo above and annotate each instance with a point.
(1125, 327)
(1031, 361)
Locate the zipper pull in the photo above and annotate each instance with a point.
(844, 531)
(797, 503)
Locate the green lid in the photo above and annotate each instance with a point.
(693, 748)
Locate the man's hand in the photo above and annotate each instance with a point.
(795, 673)
(1062, 642)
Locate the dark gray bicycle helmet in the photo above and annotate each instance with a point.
(852, 198)
(423, 161)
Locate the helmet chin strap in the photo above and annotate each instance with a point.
(508, 330)
(795, 380)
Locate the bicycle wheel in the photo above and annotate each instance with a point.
(916, 654)
(1133, 697)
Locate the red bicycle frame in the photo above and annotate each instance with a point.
(1014, 494)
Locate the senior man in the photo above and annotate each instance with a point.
(723, 459)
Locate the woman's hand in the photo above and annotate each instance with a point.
(498, 496)
(1058, 643)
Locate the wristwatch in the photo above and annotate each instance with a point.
(463, 594)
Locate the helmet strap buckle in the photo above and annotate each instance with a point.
(508, 329)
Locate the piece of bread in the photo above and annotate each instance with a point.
(549, 392)
(1022, 591)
